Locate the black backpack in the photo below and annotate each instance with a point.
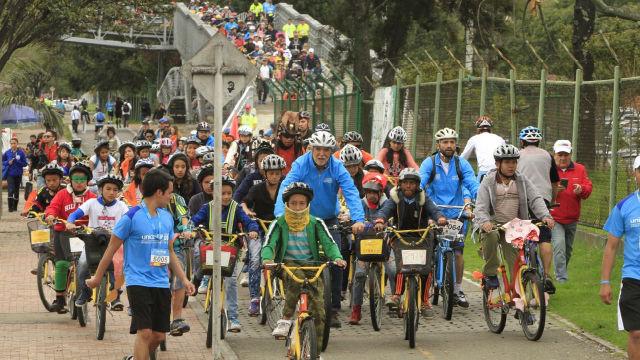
(432, 176)
(125, 107)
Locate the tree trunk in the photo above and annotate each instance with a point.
(584, 18)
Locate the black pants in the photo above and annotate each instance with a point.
(263, 90)
(13, 188)
(74, 124)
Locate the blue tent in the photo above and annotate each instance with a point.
(18, 115)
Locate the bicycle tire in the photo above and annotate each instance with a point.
(533, 287)
(265, 302)
(101, 308)
(163, 345)
(276, 305)
(71, 292)
(434, 286)
(376, 297)
(308, 339)
(447, 286)
(223, 324)
(210, 328)
(412, 316)
(46, 280)
(495, 319)
(328, 310)
(187, 271)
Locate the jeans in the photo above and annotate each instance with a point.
(562, 237)
(231, 294)
(362, 271)
(336, 272)
(255, 246)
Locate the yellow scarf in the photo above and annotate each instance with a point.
(296, 220)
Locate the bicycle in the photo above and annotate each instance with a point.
(187, 248)
(228, 256)
(444, 275)
(412, 256)
(524, 291)
(302, 339)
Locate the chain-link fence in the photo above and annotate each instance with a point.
(516, 103)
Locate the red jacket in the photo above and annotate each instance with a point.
(63, 204)
(569, 209)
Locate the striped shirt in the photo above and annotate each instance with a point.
(298, 247)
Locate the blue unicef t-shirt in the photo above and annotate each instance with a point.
(146, 246)
(625, 220)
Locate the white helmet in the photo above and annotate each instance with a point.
(409, 173)
(201, 150)
(245, 130)
(506, 151)
(273, 162)
(322, 139)
(446, 133)
(166, 142)
(398, 134)
(374, 163)
(155, 147)
(208, 158)
(350, 155)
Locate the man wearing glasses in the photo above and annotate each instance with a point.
(287, 146)
(354, 138)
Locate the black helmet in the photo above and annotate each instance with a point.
(262, 148)
(227, 180)
(304, 115)
(76, 142)
(125, 145)
(101, 144)
(111, 179)
(203, 126)
(297, 188)
(81, 167)
(52, 169)
(205, 171)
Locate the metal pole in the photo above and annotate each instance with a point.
(398, 111)
(483, 90)
(217, 204)
(416, 117)
(615, 133)
(187, 98)
(543, 86)
(436, 111)
(512, 101)
(459, 100)
(576, 115)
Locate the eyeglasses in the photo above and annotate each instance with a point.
(79, 178)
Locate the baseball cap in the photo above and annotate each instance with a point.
(163, 120)
(562, 146)
(636, 162)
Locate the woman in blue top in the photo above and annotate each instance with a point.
(13, 162)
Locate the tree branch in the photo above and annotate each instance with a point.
(606, 10)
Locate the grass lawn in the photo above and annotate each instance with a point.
(578, 300)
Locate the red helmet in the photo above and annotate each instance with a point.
(373, 181)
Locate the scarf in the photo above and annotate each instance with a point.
(296, 220)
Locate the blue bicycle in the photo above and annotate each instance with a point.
(443, 277)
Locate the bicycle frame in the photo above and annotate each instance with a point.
(443, 246)
(269, 284)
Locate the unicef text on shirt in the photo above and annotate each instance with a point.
(153, 238)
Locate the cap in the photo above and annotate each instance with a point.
(311, 50)
(163, 120)
(636, 162)
(562, 146)
(247, 106)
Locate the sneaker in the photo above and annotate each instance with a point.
(244, 279)
(335, 322)
(549, 288)
(202, 289)
(491, 282)
(427, 312)
(179, 327)
(59, 305)
(234, 326)
(282, 329)
(461, 299)
(34, 271)
(254, 307)
(116, 305)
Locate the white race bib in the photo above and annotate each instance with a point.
(453, 228)
(414, 257)
(159, 257)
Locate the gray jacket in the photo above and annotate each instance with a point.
(530, 199)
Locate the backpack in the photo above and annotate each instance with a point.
(432, 176)
(125, 107)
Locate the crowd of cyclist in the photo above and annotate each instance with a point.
(306, 183)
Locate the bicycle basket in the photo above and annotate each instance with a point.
(39, 236)
(228, 256)
(413, 257)
(95, 244)
(371, 247)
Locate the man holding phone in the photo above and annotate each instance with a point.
(574, 186)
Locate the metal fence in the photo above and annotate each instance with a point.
(561, 109)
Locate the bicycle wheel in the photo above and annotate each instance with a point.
(534, 315)
(210, 328)
(71, 292)
(447, 286)
(435, 290)
(101, 308)
(82, 311)
(46, 278)
(265, 303)
(412, 315)
(223, 324)
(276, 304)
(187, 271)
(163, 345)
(376, 296)
(494, 308)
(328, 309)
(308, 340)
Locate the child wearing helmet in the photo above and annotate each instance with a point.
(240, 151)
(133, 193)
(234, 217)
(166, 149)
(203, 134)
(76, 150)
(53, 175)
(351, 157)
(63, 158)
(190, 150)
(252, 174)
(101, 163)
(354, 138)
(183, 182)
(126, 161)
(295, 238)
(394, 155)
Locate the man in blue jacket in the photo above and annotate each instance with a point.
(449, 180)
(326, 175)
(13, 161)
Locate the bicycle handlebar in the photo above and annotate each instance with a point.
(289, 270)
(398, 233)
(209, 237)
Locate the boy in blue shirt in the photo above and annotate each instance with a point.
(98, 117)
(624, 220)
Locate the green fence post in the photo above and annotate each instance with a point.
(615, 133)
(307, 87)
(345, 96)
(275, 90)
(332, 104)
(436, 111)
(512, 101)
(576, 115)
(398, 112)
(543, 89)
(459, 100)
(317, 87)
(483, 90)
(357, 94)
(416, 117)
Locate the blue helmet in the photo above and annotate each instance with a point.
(530, 134)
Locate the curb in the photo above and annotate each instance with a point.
(573, 330)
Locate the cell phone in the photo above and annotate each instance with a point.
(564, 182)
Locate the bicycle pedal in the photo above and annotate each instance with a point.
(279, 337)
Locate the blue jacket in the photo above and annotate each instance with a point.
(254, 178)
(270, 9)
(248, 225)
(325, 184)
(446, 188)
(16, 168)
